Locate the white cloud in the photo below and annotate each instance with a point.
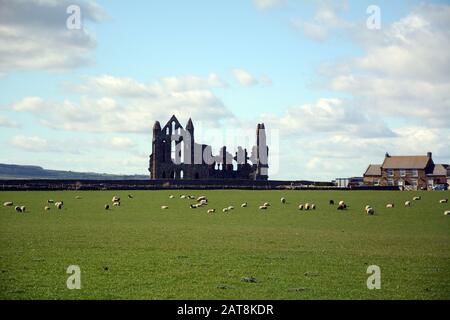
(33, 144)
(112, 104)
(244, 77)
(327, 115)
(122, 142)
(404, 71)
(325, 21)
(7, 123)
(267, 4)
(33, 35)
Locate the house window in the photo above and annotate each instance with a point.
(402, 172)
(377, 182)
(415, 172)
(390, 172)
(390, 182)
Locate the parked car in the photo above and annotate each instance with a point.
(441, 187)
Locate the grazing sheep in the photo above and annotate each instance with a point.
(106, 206)
(191, 197)
(300, 207)
(202, 198)
(59, 204)
(8, 204)
(313, 207)
(266, 204)
(443, 201)
(367, 207)
(46, 208)
(171, 196)
(78, 197)
(225, 210)
(244, 205)
(262, 207)
(417, 198)
(331, 202)
(407, 203)
(115, 199)
(283, 200)
(230, 208)
(370, 211)
(211, 210)
(447, 213)
(50, 201)
(389, 205)
(23, 208)
(341, 203)
(116, 204)
(18, 209)
(307, 206)
(341, 206)
(183, 196)
(203, 202)
(130, 196)
(164, 207)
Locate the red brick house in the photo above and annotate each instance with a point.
(410, 172)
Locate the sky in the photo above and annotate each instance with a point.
(337, 83)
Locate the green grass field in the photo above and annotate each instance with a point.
(139, 251)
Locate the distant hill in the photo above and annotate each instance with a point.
(12, 171)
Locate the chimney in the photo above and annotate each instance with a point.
(387, 155)
(429, 154)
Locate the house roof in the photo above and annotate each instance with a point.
(439, 170)
(373, 170)
(405, 162)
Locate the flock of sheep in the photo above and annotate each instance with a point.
(202, 201)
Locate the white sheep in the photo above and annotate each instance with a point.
(262, 207)
(447, 213)
(283, 200)
(164, 207)
(202, 198)
(342, 203)
(300, 207)
(171, 196)
(407, 203)
(106, 206)
(244, 205)
(203, 202)
(18, 209)
(443, 201)
(370, 211)
(313, 206)
(307, 206)
(8, 204)
(46, 208)
(78, 197)
(116, 204)
(115, 199)
(230, 208)
(225, 210)
(23, 208)
(59, 204)
(211, 210)
(183, 196)
(417, 198)
(389, 205)
(266, 204)
(367, 207)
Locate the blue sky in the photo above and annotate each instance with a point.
(336, 94)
